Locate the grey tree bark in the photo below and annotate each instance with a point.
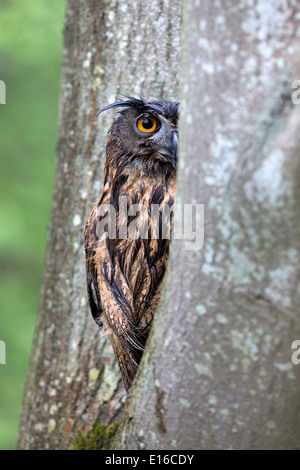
(217, 372)
(111, 47)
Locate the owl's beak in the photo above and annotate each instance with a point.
(174, 144)
(168, 146)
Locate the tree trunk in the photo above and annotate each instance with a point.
(217, 372)
(110, 48)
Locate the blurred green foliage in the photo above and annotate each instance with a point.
(30, 65)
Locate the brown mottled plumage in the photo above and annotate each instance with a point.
(125, 274)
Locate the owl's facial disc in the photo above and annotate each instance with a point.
(159, 134)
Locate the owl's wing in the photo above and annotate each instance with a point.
(91, 269)
(110, 299)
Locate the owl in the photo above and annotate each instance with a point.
(127, 234)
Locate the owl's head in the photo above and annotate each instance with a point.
(145, 130)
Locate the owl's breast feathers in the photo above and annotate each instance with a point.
(125, 270)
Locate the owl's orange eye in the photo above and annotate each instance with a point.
(147, 124)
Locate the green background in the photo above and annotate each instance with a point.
(31, 45)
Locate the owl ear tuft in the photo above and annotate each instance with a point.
(130, 102)
(117, 104)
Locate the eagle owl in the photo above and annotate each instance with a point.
(127, 253)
